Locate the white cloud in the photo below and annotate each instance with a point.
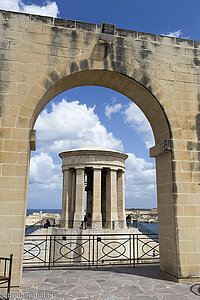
(138, 122)
(140, 182)
(112, 109)
(48, 8)
(72, 125)
(44, 174)
(177, 34)
(10, 4)
(45, 182)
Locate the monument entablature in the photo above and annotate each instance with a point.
(93, 157)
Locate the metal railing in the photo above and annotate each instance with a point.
(89, 250)
(79, 224)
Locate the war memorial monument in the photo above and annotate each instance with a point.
(104, 171)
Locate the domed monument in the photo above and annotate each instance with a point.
(93, 178)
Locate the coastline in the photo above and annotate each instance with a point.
(146, 217)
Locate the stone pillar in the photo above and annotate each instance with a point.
(121, 199)
(89, 196)
(111, 198)
(96, 204)
(72, 207)
(66, 197)
(79, 197)
(103, 196)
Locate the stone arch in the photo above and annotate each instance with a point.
(136, 85)
(41, 57)
(158, 109)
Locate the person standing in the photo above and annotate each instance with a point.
(132, 219)
(128, 221)
(85, 221)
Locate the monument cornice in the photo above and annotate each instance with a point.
(93, 151)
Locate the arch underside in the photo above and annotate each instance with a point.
(125, 85)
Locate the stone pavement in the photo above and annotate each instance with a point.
(121, 282)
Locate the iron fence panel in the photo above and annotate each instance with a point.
(89, 250)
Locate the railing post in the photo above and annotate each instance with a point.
(134, 250)
(9, 276)
(130, 248)
(97, 257)
(89, 249)
(50, 245)
(54, 249)
(137, 253)
(93, 252)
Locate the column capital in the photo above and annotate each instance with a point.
(65, 168)
(80, 168)
(116, 169)
(113, 169)
(121, 170)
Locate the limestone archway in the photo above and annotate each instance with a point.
(42, 57)
(155, 113)
(38, 98)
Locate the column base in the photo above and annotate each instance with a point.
(179, 280)
(111, 220)
(96, 221)
(121, 221)
(64, 223)
(121, 224)
(78, 221)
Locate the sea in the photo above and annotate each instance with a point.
(150, 226)
(34, 210)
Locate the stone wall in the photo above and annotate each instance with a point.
(41, 57)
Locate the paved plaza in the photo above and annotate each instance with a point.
(111, 283)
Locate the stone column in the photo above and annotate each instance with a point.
(79, 197)
(89, 196)
(111, 198)
(121, 199)
(103, 196)
(96, 204)
(72, 207)
(66, 197)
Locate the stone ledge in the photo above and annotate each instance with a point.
(161, 148)
(57, 22)
(33, 140)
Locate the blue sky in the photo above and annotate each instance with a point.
(113, 120)
(155, 16)
(91, 116)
